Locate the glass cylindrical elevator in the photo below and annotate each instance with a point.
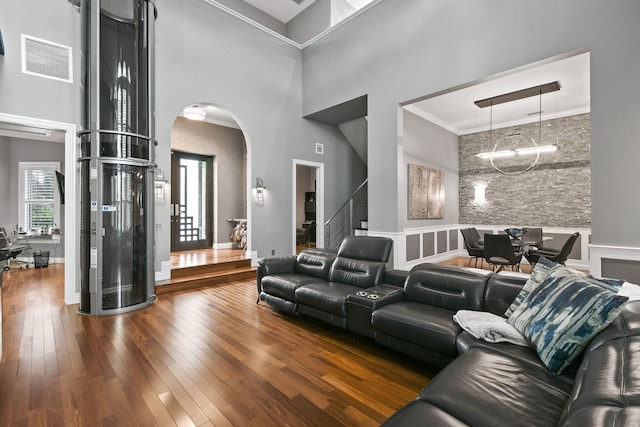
(116, 163)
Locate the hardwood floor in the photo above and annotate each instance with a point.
(184, 259)
(205, 357)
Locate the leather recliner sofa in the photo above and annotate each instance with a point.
(480, 384)
(504, 384)
(316, 283)
(422, 325)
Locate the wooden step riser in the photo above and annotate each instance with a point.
(178, 273)
(200, 282)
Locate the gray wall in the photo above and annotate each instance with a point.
(312, 21)
(25, 150)
(203, 55)
(5, 185)
(393, 54)
(207, 56)
(396, 54)
(427, 144)
(556, 192)
(26, 95)
(227, 146)
(13, 151)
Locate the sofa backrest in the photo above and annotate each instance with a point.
(366, 248)
(361, 261)
(501, 290)
(445, 286)
(315, 262)
(606, 389)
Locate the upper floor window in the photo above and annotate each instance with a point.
(39, 201)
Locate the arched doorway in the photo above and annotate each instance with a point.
(209, 196)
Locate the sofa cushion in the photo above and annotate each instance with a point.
(450, 287)
(465, 342)
(607, 386)
(501, 290)
(361, 273)
(285, 285)
(486, 388)
(428, 327)
(611, 383)
(315, 262)
(329, 297)
(561, 315)
(366, 248)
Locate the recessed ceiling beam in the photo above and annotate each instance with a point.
(518, 94)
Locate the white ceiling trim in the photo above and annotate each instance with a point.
(280, 36)
(252, 22)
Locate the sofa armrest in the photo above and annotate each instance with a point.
(395, 277)
(276, 265)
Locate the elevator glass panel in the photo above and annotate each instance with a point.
(124, 252)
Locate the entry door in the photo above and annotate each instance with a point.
(191, 201)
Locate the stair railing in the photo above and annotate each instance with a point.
(348, 218)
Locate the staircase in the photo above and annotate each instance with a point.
(199, 276)
(348, 218)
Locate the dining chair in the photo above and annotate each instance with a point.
(533, 236)
(559, 256)
(475, 250)
(499, 252)
(476, 236)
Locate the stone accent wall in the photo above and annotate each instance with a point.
(556, 192)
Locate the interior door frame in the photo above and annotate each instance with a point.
(319, 167)
(72, 205)
(209, 200)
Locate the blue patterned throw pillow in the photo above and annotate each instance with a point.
(541, 270)
(561, 315)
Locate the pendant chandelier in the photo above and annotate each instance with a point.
(530, 147)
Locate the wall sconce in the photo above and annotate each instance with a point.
(260, 191)
(479, 192)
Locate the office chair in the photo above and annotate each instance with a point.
(9, 251)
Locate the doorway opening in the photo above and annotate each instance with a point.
(308, 205)
(39, 130)
(209, 181)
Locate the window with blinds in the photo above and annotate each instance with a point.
(39, 201)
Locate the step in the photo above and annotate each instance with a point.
(200, 276)
(196, 270)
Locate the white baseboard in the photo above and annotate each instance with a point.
(254, 257)
(164, 275)
(228, 245)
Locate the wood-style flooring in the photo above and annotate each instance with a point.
(206, 357)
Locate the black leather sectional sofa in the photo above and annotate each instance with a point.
(481, 384)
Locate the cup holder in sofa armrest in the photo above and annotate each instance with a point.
(377, 296)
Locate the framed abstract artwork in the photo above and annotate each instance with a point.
(426, 192)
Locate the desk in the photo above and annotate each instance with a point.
(53, 243)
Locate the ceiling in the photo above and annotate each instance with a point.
(285, 10)
(455, 110)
